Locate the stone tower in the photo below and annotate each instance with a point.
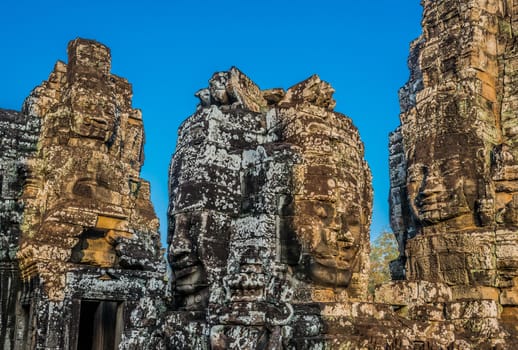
(269, 215)
(89, 252)
(454, 159)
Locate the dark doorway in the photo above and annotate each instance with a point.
(99, 325)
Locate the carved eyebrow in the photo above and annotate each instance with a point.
(417, 169)
(446, 162)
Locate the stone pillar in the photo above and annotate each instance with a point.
(89, 240)
(19, 134)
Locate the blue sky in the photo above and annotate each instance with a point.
(169, 49)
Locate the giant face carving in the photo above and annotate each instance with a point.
(437, 191)
(332, 243)
(93, 118)
(331, 207)
(443, 187)
(190, 281)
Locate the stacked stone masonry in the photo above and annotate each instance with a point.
(78, 221)
(453, 160)
(270, 207)
(284, 265)
(18, 135)
(269, 215)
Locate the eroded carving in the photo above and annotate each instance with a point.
(453, 159)
(89, 237)
(331, 186)
(273, 184)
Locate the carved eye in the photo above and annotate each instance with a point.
(450, 166)
(417, 173)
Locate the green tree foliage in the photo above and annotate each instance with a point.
(383, 250)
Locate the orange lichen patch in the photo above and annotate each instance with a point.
(113, 235)
(99, 252)
(111, 223)
(323, 294)
(502, 198)
(27, 263)
(486, 78)
(475, 292)
(509, 296)
(489, 92)
(29, 270)
(510, 316)
(97, 247)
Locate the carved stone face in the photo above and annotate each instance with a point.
(330, 229)
(190, 282)
(333, 245)
(93, 119)
(93, 186)
(332, 196)
(438, 192)
(443, 187)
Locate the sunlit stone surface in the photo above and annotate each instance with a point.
(89, 251)
(270, 205)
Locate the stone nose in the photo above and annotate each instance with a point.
(431, 186)
(181, 244)
(181, 256)
(345, 236)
